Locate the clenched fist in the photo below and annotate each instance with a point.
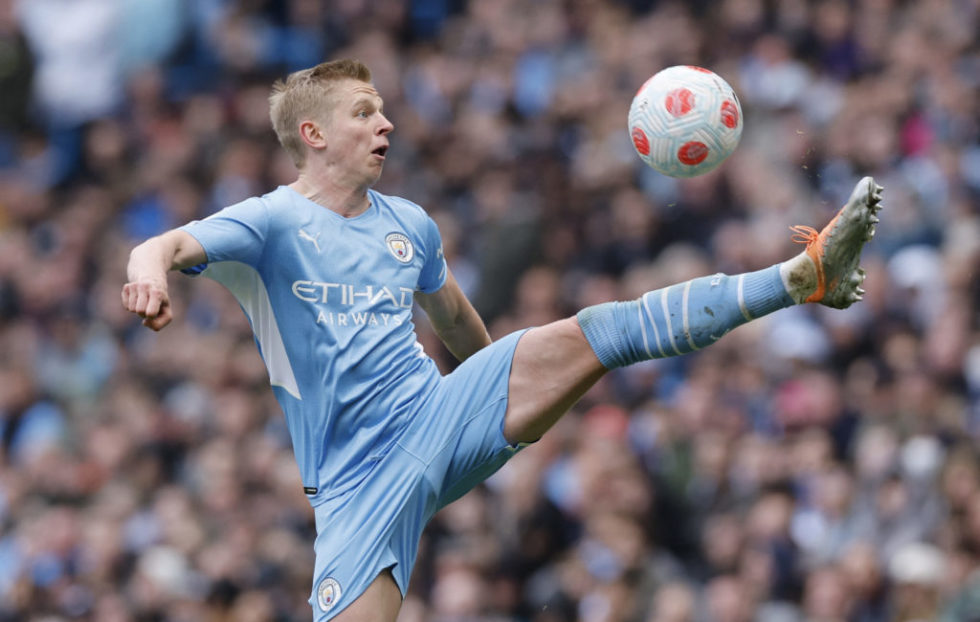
(149, 300)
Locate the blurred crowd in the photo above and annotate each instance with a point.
(814, 466)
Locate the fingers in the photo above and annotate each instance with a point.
(148, 300)
(127, 302)
(130, 297)
(160, 320)
(154, 300)
(145, 299)
(142, 295)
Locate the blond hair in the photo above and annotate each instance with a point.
(304, 95)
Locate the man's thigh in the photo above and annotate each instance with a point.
(459, 432)
(505, 395)
(553, 367)
(367, 531)
(380, 602)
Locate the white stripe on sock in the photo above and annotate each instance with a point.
(643, 330)
(670, 330)
(686, 316)
(741, 299)
(656, 333)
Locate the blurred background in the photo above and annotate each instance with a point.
(815, 465)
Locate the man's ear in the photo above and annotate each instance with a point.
(312, 134)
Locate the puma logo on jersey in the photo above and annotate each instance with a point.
(311, 238)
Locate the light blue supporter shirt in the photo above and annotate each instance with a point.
(330, 303)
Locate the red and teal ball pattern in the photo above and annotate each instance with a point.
(685, 121)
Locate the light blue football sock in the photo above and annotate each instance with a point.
(680, 318)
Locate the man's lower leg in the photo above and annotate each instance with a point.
(688, 316)
(680, 318)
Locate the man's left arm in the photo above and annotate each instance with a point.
(454, 319)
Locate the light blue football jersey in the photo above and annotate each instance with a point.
(330, 303)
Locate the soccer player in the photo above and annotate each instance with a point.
(327, 271)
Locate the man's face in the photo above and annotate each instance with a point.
(356, 133)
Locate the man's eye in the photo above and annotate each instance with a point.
(362, 114)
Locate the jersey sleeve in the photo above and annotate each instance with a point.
(236, 233)
(434, 270)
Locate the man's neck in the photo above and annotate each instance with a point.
(348, 202)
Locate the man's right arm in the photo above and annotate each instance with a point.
(146, 292)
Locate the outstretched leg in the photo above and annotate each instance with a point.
(555, 365)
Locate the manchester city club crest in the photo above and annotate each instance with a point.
(327, 594)
(400, 247)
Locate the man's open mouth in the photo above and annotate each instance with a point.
(381, 151)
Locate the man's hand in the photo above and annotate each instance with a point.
(149, 300)
(146, 292)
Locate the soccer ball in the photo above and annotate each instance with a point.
(684, 121)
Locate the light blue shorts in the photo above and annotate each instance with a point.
(453, 441)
